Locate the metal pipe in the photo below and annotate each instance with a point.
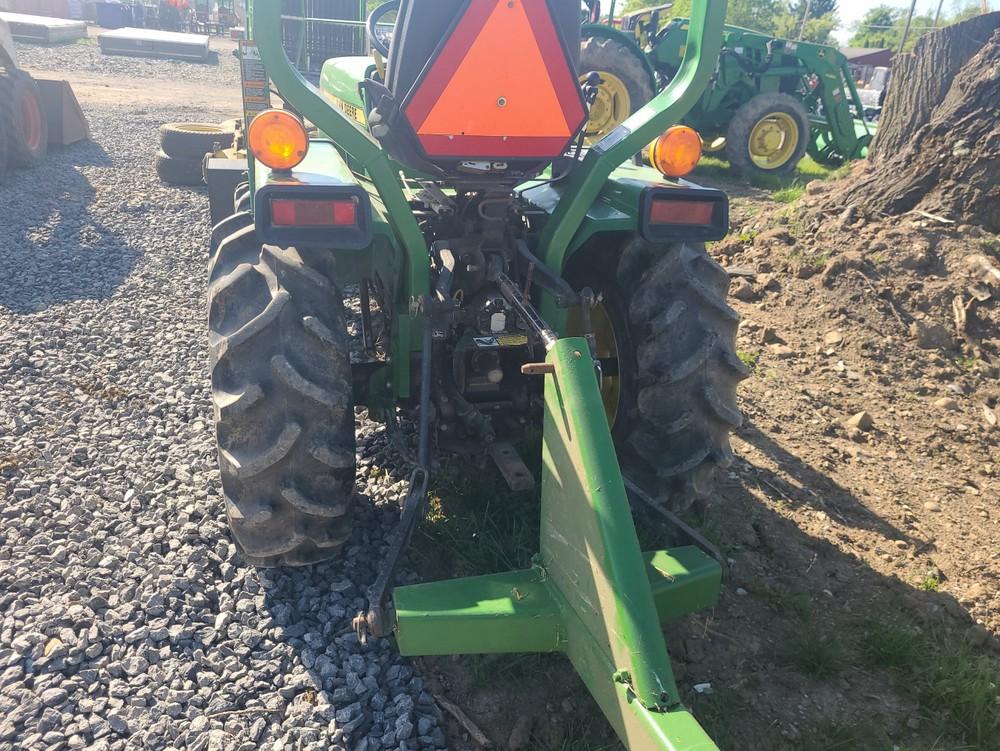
(906, 29)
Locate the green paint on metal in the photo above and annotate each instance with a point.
(588, 541)
(264, 26)
(517, 611)
(592, 593)
(508, 612)
(585, 183)
(683, 580)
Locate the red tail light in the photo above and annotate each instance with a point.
(667, 211)
(683, 213)
(311, 212)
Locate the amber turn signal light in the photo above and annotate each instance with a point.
(677, 152)
(278, 139)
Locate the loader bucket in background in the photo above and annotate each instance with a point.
(66, 121)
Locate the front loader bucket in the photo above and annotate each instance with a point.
(62, 111)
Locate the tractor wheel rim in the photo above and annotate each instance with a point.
(773, 140)
(611, 107)
(607, 351)
(31, 122)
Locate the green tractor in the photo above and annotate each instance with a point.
(768, 103)
(504, 276)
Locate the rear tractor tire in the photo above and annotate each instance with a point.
(284, 410)
(673, 406)
(625, 84)
(768, 135)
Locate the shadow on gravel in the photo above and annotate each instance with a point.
(55, 241)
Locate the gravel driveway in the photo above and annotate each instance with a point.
(126, 618)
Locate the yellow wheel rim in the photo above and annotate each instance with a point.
(773, 140)
(607, 351)
(612, 106)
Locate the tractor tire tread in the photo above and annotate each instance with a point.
(686, 382)
(601, 53)
(283, 401)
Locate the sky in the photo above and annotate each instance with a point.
(851, 11)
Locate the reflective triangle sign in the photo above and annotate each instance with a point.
(501, 86)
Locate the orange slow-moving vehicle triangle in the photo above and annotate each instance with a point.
(501, 86)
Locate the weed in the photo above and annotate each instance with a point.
(747, 236)
(888, 645)
(789, 195)
(929, 584)
(799, 257)
(829, 736)
(957, 689)
(990, 244)
(780, 598)
(748, 358)
(968, 363)
(814, 654)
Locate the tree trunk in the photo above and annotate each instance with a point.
(922, 79)
(938, 146)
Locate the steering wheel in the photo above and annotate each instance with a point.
(377, 40)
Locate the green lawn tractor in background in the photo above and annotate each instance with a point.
(504, 277)
(768, 103)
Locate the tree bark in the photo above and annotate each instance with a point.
(940, 147)
(922, 79)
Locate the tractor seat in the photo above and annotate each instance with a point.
(484, 87)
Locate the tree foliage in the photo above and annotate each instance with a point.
(883, 25)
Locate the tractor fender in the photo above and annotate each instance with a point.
(606, 32)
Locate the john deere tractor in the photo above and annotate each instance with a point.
(768, 103)
(502, 274)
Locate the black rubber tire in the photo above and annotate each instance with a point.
(601, 54)
(15, 88)
(179, 171)
(227, 227)
(751, 113)
(281, 385)
(676, 339)
(194, 140)
(242, 203)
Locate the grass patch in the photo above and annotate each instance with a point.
(748, 358)
(806, 170)
(968, 363)
(781, 598)
(799, 257)
(591, 733)
(814, 654)
(957, 689)
(829, 736)
(475, 524)
(790, 194)
(929, 584)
